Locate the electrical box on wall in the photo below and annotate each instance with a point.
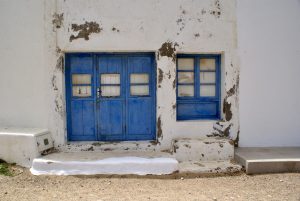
(22, 145)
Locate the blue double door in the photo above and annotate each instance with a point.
(110, 97)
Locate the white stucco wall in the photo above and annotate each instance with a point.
(269, 51)
(23, 100)
(31, 75)
(146, 26)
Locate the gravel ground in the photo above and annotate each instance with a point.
(25, 186)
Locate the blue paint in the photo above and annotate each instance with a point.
(199, 107)
(115, 118)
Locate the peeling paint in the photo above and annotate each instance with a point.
(160, 75)
(57, 20)
(53, 82)
(226, 131)
(168, 49)
(236, 141)
(60, 64)
(115, 29)
(196, 35)
(227, 110)
(159, 128)
(216, 10)
(174, 106)
(84, 30)
(174, 83)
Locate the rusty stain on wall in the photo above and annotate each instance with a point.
(57, 20)
(84, 30)
(168, 49)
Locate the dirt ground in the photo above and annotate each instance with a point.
(25, 186)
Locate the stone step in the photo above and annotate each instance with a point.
(203, 167)
(92, 163)
(268, 159)
(126, 146)
(206, 149)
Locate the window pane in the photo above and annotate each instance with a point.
(207, 77)
(110, 78)
(81, 79)
(109, 91)
(81, 91)
(207, 90)
(185, 64)
(139, 78)
(207, 64)
(185, 77)
(185, 90)
(140, 90)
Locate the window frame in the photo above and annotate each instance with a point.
(197, 99)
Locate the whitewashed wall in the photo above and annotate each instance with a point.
(269, 51)
(36, 35)
(23, 79)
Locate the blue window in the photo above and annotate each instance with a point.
(198, 87)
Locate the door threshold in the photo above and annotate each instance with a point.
(104, 146)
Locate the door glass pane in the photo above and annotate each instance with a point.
(185, 90)
(207, 64)
(207, 90)
(185, 77)
(81, 79)
(139, 78)
(81, 91)
(185, 63)
(110, 78)
(139, 90)
(207, 77)
(110, 91)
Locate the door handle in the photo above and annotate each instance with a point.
(98, 92)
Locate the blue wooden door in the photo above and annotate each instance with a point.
(110, 97)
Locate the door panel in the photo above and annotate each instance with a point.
(111, 120)
(111, 99)
(80, 91)
(139, 119)
(140, 106)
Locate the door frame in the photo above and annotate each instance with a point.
(96, 56)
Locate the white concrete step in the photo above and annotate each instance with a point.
(206, 149)
(269, 159)
(87, 163)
